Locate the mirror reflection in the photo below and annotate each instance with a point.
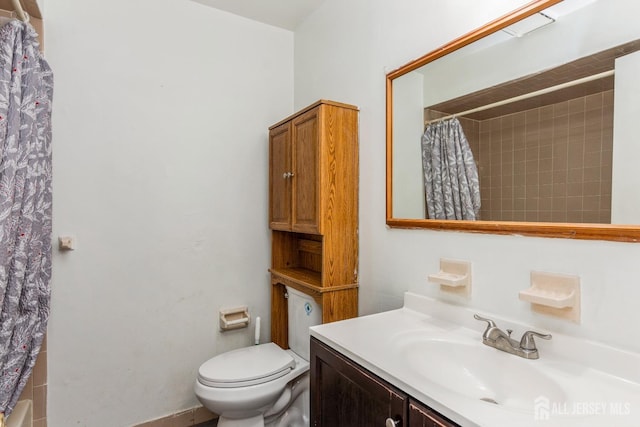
(533, 123)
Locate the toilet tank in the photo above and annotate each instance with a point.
(304, 312)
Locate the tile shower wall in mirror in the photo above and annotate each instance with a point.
(550, 163)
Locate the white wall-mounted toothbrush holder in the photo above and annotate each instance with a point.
(234, 318)
(555, 295)
(454, 277)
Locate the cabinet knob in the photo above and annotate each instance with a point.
(392, 423)
(287, 175)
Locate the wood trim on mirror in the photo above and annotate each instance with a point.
(621, 233)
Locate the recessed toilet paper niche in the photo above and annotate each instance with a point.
(234, 318)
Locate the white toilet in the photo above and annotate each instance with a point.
(263, 385)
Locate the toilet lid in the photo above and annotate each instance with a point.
(246, 366)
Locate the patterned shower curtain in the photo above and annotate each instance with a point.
(26, 89)
(452, 190)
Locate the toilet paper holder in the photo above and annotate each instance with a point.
(234, 318)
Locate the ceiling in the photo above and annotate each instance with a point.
(287, 14)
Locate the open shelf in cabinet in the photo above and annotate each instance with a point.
(297, 261)
(297, 256)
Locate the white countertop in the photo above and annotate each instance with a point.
(603, 383)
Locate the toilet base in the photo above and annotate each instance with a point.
(297, 413)
(293, 417)
(246, 422)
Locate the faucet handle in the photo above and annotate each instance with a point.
(490, 323)
(527, 342)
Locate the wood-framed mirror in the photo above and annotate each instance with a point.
(556, 78)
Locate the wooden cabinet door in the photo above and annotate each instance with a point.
(343, 394)
(279, 178)
(422, 416)
(305, 182)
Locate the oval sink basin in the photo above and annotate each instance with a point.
(478, 372)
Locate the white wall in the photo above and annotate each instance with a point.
(625, 203)
(161, 110)
(408, 114)
(361, 41)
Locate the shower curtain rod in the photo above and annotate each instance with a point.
(527, 95)
(17, 7)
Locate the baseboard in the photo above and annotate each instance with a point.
(187, 418)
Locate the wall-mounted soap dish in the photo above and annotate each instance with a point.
(549, 298)
(454, 277)
(554, 294)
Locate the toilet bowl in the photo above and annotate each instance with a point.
(263, 385)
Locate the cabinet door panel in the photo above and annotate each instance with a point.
(344, 395)
(305, 137)
(279, 181)
(422, 416)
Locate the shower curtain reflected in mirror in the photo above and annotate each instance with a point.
(452, 189)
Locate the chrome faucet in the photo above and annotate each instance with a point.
(497, 338)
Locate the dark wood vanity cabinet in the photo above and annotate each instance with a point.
(344, 394)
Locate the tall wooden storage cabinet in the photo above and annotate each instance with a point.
(313, 211)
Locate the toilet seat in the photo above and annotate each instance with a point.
(246, 366)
